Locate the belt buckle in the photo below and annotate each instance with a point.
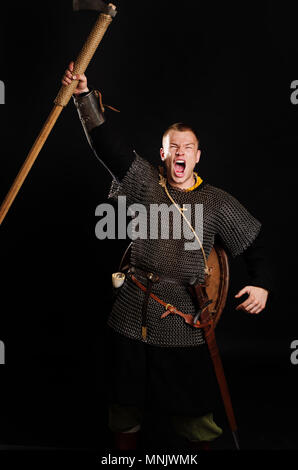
(152, 277)
(168, 306)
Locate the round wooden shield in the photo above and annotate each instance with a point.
(218, 283)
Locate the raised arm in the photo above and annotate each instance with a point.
(103, 127)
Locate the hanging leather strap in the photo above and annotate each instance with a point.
(209, 333)
(150, 281)
(169, 308)
(219, 372)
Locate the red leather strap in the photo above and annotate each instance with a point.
(171, 309)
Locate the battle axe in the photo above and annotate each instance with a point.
(107, 13)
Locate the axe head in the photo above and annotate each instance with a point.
(97, 5)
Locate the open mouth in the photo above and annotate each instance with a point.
(179, 168)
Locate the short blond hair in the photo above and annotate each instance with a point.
(180, 127)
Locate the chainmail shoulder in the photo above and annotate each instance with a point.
(134, 184)
(223, 217)
(235, 226)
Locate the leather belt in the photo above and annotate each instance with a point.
(189, 318)
(155, 277)
(151, 278)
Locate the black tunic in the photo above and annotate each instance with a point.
(172, 380)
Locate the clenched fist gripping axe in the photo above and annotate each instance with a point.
(107, 13)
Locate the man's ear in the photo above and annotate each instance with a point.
(162, 154)
(198, 156)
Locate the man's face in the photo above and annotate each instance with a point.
(180, 154)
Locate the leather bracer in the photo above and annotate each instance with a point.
(90, 110)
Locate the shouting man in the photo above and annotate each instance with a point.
(152, 355)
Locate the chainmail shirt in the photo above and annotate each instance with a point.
(223, 217)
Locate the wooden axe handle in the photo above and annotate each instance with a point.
(61, 100)
(32, 155)
(85, 57)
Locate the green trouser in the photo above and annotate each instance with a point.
(203, 428)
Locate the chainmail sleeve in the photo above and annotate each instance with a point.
(236, 227)
(135, 183)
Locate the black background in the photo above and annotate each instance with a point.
(227, 68)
